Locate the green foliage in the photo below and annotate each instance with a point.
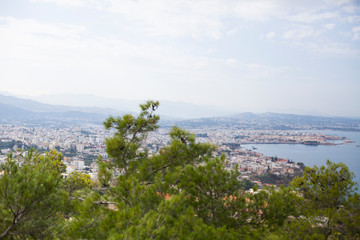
(31, 195)
(247, 184)
(105, 172)
(326, 187)
(329, 206)
(214, 193)
(280, 204)
(170, 162)
(131, 132)
(275, 179)
(78, 181)
(10, 144)
(182, 192)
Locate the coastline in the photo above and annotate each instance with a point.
(301, 143)
(345, 152)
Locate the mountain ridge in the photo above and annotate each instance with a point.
(15, 108)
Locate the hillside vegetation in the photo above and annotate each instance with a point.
(183, 192)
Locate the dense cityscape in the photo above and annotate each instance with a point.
(81, 146)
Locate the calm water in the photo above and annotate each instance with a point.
(317, 155)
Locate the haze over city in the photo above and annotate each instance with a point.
(258, 56)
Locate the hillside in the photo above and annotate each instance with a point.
(173, 113)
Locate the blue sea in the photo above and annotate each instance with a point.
(347, 153)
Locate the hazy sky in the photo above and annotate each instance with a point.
(250, 55)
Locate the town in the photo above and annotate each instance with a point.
(81, 146)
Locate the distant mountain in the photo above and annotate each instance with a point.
(11, 114)
(275, 121)
(91, 101)
(36, 106)
(290, 117)
(8, 111)
(167, 110)
(14, 109)
(30, 111)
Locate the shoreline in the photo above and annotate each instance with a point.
(301, 143)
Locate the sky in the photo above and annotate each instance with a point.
(246, 55)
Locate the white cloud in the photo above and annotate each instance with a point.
(330, 48)
(313, 40)
(256, 10)
(65, 58)
(129, 62)
(353, 19)
(329, 26)
(30, 26)
(264, 71)
(301, 32)
(232, 31)
(270, 35)
(309, 17)
(172, 18)
(352, 9)
(210, 18)
(338, 3)
(75, 3)
(356, 33)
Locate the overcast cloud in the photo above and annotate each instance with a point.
(245, 55)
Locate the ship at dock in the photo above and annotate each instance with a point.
(311, 143)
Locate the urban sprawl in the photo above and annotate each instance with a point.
(81, 146)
